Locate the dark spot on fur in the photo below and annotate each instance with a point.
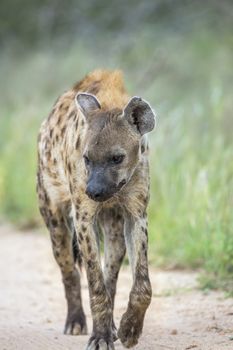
(46, 198)
(63, 131)
(70, 188)
(94, 88)
(114, 224)
(59, 119)
(84, 228)
(48, 153)
(61, 106)
(90, 264)
(99, 290)
(72, 114)
(77, 143)
(54, 222)
(69, 167)
(141, 197)
(57, 254)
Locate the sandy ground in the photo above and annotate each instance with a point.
(32, 304)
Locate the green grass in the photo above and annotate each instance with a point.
(187, 77)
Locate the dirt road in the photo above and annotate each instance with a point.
(32, 304)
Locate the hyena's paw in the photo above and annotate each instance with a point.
(130, 329)
(100, 343)
(76, 324)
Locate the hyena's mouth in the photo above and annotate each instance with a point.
(103, 196)
(122, 183)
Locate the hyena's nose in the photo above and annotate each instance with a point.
(94, 192)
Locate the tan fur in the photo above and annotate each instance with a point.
(109, 88)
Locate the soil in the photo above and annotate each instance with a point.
(32, 303)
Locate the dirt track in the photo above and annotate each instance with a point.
(32, 304)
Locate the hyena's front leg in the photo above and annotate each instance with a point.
(100, 300)
(140, 296)
(112, 222)
(61, 238)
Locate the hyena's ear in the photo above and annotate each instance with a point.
(87, 103)
(140, 115)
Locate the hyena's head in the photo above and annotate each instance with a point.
(112, 145)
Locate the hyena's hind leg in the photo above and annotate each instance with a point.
(112, 222)
(62, 243)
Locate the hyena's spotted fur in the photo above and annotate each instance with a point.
(109, 193)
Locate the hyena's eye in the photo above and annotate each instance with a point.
(117, 159)
(86, 160)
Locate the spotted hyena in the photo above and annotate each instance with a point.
(93, 178)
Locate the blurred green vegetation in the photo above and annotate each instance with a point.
(177, 55)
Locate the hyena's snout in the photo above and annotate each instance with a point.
(100, 192)
(100, 187)
(97, 191)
